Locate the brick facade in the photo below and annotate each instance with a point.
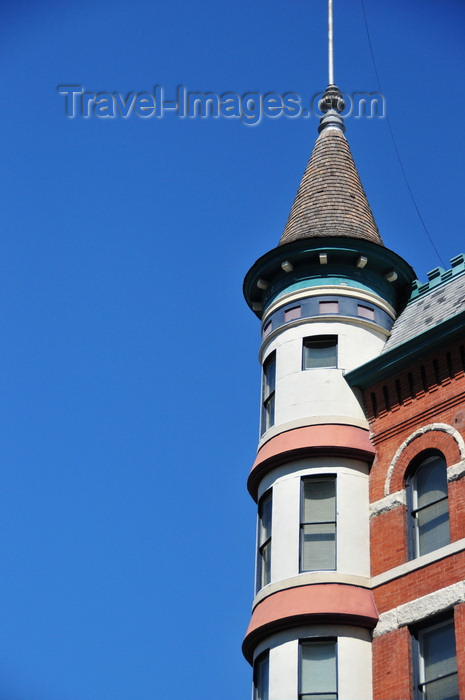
(392, 666)
(420, 408)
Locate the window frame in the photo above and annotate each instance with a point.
(303, 523)
(419, 633)
(328, 307)
(319, 339)
(314, 641)
(263, 567)
(267, 418)
(415, 468)
(258, 692)
(366, 312)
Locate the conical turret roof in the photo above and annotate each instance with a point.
(331, 200)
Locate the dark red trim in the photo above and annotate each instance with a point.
(330, 603)
(332, 440)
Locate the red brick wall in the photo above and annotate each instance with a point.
(392, 666)
(432, 391)
(459, 622)
(456, 491)
(388, 540)
(420, 582)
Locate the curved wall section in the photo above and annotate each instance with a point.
(348, 536)
(353, 656)
(366, 307)
(305, 388)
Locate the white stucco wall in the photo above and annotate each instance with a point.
(352, 507)
(320, 393)
(353, 660)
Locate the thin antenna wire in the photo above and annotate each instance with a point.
(394, 141)
(330, 44)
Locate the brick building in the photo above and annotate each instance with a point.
(358, 478)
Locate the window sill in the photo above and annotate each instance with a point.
(418, 563)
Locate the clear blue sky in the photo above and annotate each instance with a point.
(129, 381)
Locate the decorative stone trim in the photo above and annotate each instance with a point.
(441, 427)
(456, 471)
(418, 563)
(421, 608)
(387, 503)
(309, 578)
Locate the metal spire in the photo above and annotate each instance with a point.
(332, 102)
(330, 44)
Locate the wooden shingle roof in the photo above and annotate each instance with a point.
(331, 200)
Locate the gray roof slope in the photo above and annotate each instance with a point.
(331, 200)
(428, 310)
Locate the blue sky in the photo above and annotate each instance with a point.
(129, 379)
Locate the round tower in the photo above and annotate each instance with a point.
(327, 297)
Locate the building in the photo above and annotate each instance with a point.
(358, 478)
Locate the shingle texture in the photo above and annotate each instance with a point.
(428, 311)
(331, 200)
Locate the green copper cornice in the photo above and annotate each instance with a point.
(331, 260)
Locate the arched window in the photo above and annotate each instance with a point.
(428, 503)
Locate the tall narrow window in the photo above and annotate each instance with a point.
(261, 676)
(268, 392)
(318, 670)
(264, 541)
(318, 524)
(436, 663)
(320, 351)
(429, 505)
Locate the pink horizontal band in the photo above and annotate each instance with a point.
(327, 602)
(329, 439)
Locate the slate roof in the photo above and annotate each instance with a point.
(432, 303)
(331, 200)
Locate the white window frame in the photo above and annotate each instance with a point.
(318, 694)
(329, 341)
(261, 667)
(415, 545)
(268, 393)
(263, 576)
(316, 479)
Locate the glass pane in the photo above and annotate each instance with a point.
(319, 500)
(266, 565)
(366, 312)
(267, 329)
(265, 519)
(431, 481)
(320, 353)
(268, 413)
(261, 678)
(442, 689)
(318, 547)
(438, 651)
(269, 371)
(318, 672)
(329, 307)
(433, 527)
(319, 696)
(291, 314)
